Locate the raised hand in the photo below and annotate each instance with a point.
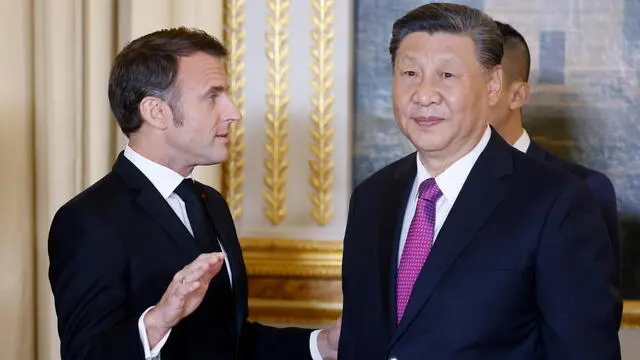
(183, 295)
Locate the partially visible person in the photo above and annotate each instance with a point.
(146, 263)
(469, 249)
(506, 118)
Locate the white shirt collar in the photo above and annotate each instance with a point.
(523, 142)
(451, 180)
(163, 178)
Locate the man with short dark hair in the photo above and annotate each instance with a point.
(469, 249)
(146, 262)
(506, 118)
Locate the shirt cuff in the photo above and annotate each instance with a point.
(313, 345)
(150, 354)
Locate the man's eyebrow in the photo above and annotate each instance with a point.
(216, 89)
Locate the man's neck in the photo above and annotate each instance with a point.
(157, 155)
(436, 164)
(511, 130)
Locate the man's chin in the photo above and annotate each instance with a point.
(220, 157)
(428, 142)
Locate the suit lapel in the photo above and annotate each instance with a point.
(483, 190)
(393, 200)
(223, 224)
(164, 216)
(159, 210)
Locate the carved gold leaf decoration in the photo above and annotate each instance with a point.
(322, 113)
(276, 146)
(233, 168)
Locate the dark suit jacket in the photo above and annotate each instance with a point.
(521, 269)
(113, 251)
(599, 185)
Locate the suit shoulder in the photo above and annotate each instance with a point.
(543, 174)
(386, 174)
(96, 197)
(596, 181)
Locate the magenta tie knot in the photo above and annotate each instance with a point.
(429, 190)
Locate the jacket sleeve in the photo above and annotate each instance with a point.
(260, 342)
(575, 272)
(86, 274)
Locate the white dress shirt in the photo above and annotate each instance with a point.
(166, 181)
(450, 183)
(523, 142)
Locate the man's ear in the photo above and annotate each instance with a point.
(520, 94)
(495, 84)
(156, 112)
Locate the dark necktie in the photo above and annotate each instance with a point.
(201, 224)
(206, 236)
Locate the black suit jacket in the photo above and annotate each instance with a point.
(113, 251)
(521, 268)
(599, 185)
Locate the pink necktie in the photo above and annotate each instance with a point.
(418, 243)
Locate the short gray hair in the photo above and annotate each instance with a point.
(452, 19)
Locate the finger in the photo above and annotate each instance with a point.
(195, 273)
(212, 271)
(183, 290)
(208, 258)
(198, 267)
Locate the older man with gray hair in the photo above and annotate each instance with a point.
(468, 248)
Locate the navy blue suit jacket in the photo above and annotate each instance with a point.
(599, 185)
(522, 268)
(113, 251)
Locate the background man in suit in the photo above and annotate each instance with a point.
(469, 249)
(506, 118)
(146, 262)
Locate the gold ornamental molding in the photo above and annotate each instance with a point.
(631, 314)
(276, 130)
(321, 165)
(293, 281)
(292, 257)
(289, 312)
(233, 168)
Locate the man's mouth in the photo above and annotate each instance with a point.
(427, 120)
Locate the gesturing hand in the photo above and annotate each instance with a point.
(183, 296)
(328, 340)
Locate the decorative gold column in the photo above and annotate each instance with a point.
(277, 116)
(233, 168)
(322, 115)
(293, 245)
